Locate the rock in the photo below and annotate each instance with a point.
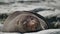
(49, 31)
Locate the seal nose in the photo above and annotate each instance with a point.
(32, 25)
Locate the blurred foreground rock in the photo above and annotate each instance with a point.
(49, 31)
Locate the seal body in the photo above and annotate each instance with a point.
(24, 22)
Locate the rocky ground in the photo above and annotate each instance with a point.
(54, 5)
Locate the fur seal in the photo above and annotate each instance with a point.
(24, 21)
